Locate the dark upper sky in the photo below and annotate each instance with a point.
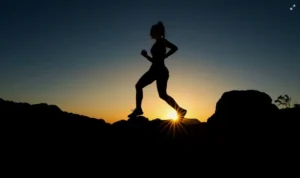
(87, 52)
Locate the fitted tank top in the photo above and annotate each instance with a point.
(158, 52)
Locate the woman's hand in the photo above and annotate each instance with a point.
(144, 53)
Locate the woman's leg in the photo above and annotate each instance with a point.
(145, 80)
(162, 91)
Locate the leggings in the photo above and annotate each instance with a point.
(161, 83)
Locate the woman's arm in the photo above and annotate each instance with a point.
(173, 48)
(144, 53)
(148, 57)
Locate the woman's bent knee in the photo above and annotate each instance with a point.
(164, 96)
(138, 87)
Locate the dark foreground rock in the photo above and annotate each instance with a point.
(241, 118)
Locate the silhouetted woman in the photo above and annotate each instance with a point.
(158, 71)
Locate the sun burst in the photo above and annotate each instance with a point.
(172, 115)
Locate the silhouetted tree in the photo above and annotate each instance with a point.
(283, 100)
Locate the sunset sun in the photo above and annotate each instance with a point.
(172, 115)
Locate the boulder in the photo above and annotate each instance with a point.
(243, 113)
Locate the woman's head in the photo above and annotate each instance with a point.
(157, 31)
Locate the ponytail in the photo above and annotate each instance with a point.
(161, 27)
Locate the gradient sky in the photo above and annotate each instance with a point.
(84, 56)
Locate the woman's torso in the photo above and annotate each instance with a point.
(158, 52)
